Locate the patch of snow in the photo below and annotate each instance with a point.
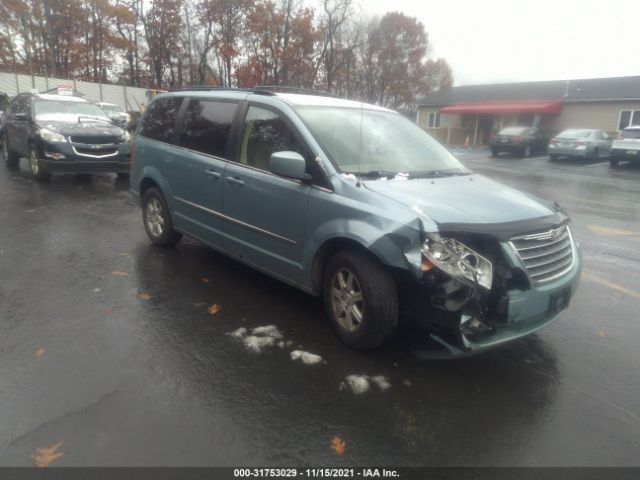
(360, 384)
(306, 357)
(350, 177)
(382, 382)
(267, 331)
(256, 344)
(239, 333)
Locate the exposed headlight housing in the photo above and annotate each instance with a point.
(459, 261)
(51, 136)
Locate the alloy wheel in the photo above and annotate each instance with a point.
(347, 302)
(34, 162)
(155, 217)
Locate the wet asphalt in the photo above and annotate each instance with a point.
(107, 344)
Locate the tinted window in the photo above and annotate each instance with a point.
(20, 104)
(160, 119)
(206, 126)
(264, 133)
(631, 133)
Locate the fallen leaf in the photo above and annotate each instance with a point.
(338, 445)
(601, 334)
(205, 280)
(40, 352)
(124, 254)
(97, 290)
(44, 456)
(117, 273)
(144, 296)
(215, 308)
(108, 311)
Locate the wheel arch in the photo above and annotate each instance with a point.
(330, 247)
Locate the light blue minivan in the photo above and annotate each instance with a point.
(358, 204)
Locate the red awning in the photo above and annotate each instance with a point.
(528, 106)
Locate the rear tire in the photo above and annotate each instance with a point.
(157, 220)
(36, 167)
(12, 159)
(553, 157)
(360, 299)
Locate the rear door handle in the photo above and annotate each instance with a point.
(235, 181)
(213, 175)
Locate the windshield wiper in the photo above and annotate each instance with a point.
(439, 173)
(375, 173)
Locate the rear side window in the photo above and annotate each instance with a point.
(206, 126)
(160, 119)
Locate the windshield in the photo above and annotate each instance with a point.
(389, 143)
(575, 134)
(65, 111)
(513, 131)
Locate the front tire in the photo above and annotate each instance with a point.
(360, 299)
(12, 159)
(156, 219)
(36, 167)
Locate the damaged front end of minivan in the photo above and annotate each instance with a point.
(479, 286)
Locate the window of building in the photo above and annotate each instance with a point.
(433, 121)
(628, 118)
(206, 126)
(159, 121)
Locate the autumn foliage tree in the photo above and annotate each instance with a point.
(242, 43)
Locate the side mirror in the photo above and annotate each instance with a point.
(20, 116)
(288, 164)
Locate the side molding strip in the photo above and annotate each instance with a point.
(237, 222)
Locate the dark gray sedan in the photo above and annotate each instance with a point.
(580, 143)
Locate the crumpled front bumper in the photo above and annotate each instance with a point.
(524, 311)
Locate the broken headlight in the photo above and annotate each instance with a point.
(457, 260)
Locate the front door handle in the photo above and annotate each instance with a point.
(212, 174)
(235, 181)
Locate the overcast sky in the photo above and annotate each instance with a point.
(492, 41)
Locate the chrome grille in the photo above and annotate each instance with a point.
(546, 255)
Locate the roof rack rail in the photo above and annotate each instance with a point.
(286, 89)
(211, 87)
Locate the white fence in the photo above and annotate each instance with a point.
(129, 98)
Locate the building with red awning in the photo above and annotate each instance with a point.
(474, 112)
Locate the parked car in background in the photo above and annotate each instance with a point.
(581, 143)
(626, 146)
(117, 115)
(520, 140)
(355, 203)
(62, 134)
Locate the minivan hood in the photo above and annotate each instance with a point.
(82, 128)
(466, 199)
